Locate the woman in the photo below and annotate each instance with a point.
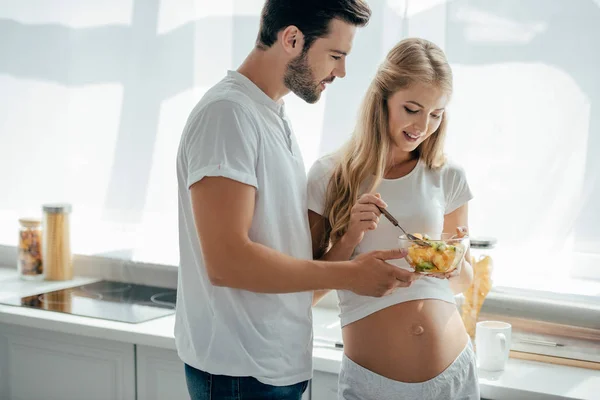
(411, 344)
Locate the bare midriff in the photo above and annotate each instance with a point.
(408, 342)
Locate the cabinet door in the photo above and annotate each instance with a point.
(38, 364)
(160, 374)
(324, 386)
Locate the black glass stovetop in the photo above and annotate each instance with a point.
(115, 301)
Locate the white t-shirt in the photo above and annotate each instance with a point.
(236, 131)
(419, 201)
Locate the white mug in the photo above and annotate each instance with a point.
(492, 344)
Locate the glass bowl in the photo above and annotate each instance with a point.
(446, 252)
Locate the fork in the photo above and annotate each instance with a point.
(410, 237)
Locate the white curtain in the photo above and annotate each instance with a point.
(94, 96)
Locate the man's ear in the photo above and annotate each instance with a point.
(292, 40)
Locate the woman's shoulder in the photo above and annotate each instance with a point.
(451, 169)
(454, 168)
(323, 167)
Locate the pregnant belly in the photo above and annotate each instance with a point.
(408, 342)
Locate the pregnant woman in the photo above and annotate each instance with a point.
(411, 344)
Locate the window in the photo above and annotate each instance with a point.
(95, 97)
(525, 122)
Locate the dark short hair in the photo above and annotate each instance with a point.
(312, 17)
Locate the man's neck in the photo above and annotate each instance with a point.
(266, 70)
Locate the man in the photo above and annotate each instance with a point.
(244, 323)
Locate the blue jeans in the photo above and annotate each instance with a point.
(204, 386)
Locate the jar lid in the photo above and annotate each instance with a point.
(483, 242)
(57, 208)
(30, 222)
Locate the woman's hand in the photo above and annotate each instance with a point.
(461, 231)
(364, 216)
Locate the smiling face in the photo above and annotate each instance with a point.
(414, 114)
(308, 74)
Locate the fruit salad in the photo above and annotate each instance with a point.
(441, 257)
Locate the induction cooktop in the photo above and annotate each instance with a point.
(109, 300)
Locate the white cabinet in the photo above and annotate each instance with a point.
(160, 375)
(324, 386)
(39, 364)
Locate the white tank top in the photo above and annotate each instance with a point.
(419, 201)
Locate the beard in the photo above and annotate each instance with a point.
(300, 80)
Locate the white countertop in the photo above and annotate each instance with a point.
(521, 379)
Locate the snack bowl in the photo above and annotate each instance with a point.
(447, 250)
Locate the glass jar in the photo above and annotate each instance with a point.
(29, 263)
(482, 262)
(56, 242)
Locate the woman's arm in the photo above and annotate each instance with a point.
(317, 228)
(458, 221)
(342, 250)
(364, 216)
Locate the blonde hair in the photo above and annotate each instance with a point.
(364, 159)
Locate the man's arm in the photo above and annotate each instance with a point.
(223, 211)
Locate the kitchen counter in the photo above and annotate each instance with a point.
(154, 333)
(521, 379)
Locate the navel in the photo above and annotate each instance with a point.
(417, 330)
